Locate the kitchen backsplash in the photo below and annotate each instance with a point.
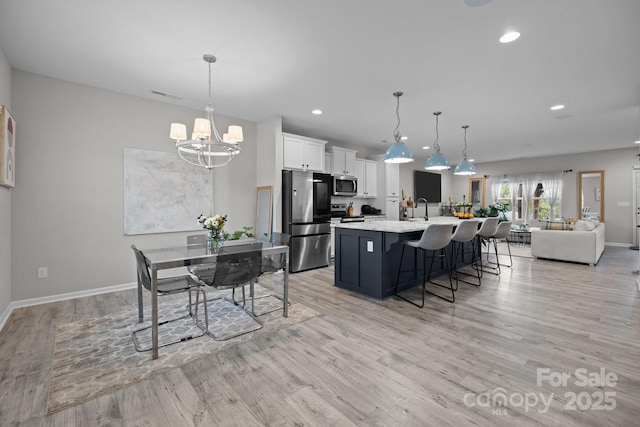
(357, 203)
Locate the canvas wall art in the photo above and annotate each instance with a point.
(163, 193)
(8, 148)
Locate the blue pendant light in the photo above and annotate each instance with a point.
(437, 161)
(465, 167)
(398, 152)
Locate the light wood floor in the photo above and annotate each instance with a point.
(367, 362)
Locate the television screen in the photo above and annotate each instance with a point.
(427, 185)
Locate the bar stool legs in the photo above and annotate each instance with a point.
(502, 232)
(426, 278)
(457, 250)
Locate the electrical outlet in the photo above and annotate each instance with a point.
(43, 272)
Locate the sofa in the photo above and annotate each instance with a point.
(577, 245)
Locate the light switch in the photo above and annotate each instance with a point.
(369, 246)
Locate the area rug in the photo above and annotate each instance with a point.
(97, 356)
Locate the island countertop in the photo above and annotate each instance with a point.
(417, 224)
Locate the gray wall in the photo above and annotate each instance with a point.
(618, 191)
(6, 196)
(68, 203)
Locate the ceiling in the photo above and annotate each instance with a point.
(346, 58)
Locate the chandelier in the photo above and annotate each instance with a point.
(207, 149)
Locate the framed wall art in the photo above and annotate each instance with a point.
(7, 148)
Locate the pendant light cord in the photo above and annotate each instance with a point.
(464, 152)
(436, 146)
(396, 132)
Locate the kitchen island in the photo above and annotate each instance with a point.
(367, 255)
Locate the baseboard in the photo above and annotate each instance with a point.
(60, 297)
(620, 245)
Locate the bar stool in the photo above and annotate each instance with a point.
(435, 237)
(465, 232)
(486, 231)
(502, 232)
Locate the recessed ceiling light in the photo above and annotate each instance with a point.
(557, 107)
(317, 112)
(426, 147)
(509, 37)
(404, 138)
(472, 160)
(637, 142)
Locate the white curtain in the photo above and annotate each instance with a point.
(496, 183)
(529, 184)
(514, 183)
(552, 185)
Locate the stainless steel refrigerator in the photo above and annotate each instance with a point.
(306, 216)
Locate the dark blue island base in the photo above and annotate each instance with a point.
(367, 261)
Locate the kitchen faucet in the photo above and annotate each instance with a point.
(426, 207)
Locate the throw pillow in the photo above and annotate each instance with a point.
(557, 225)
(582, 225)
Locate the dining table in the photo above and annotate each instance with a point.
(195, 254)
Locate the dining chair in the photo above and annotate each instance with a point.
(273, 263)
(196, 239)
(465, 232)
(169, 286)
(234, 270)
(435, 238)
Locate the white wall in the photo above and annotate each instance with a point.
(68, 203)
(406, 184)
(269, 162)
(6, 195)
(618, 191)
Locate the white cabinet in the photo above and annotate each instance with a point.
(301, 152)
(392, 179)
(367, 173)
(328, 162)
(343, 161)
(392, 212)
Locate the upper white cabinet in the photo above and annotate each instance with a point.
(367, 173)
(344, 161)
(392, 179)
(301, 152)
(327, 162)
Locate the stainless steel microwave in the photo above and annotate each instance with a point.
(345, 185)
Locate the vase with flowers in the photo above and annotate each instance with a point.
(214, 224)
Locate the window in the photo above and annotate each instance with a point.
(531, 197)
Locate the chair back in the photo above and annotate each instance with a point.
(436, 236)
(488, 227)
(273, 263)
(465, 231)
(143, 270)
(503, 230)
(196, 239)
(235, 269)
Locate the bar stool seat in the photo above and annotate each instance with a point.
(502, 232)
(487, 229)
(465, 232)
(436, 237)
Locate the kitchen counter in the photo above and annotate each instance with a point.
(408, 226)
(367, 255)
